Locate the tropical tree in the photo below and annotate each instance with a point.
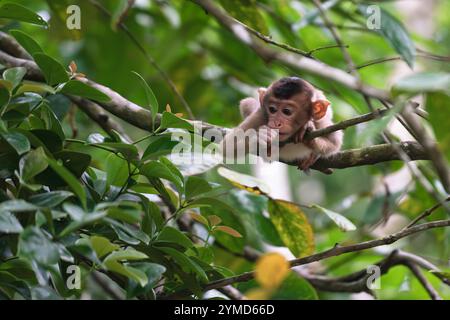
(95, 203)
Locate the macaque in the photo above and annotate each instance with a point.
(289, 108)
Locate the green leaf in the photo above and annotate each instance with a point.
(170, 234)
(78, 88)
(129, 151)
(17, 205)
(152, 102)
(423, 82)
(172, 168)
(81, 221)
(53, 71)
(112, 263)
(36, 87)
(244, 181)
(153, 272)
(5, 95)
(33, 163)
(102, 246)
(27, 42)
(36, 246)
(75, 162)
(439, 117)
(169, 120)
(295, 288)
(251, 210)
(18, 141)
(155, 169)
(196, 186)
(47, 138)
(116, 170)
(9, 223)
(51, 121)
(68, 177)
(17, 12)
(14, 75)
(342, 222)
(292, 226)
(159, 145)
(185, 262)
(395, 33)
(50, 199)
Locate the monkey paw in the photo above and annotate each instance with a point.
(305, 163)
(300, 136)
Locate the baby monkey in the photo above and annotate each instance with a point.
(290, 107)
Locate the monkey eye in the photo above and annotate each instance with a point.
(287, 112)
(272, 109)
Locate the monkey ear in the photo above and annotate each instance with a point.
(319, 108)
(261, 93)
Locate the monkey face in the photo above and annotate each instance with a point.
(286, 115)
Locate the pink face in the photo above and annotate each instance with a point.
(287, 115)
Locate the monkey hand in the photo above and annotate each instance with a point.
(300, 136)
(305, 163)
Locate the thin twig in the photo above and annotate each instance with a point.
(150, 59)
(423, 281)
(336, 251)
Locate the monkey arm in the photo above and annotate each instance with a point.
(254, 118)
(327, 145)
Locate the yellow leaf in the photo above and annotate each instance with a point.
(168, 108)
(292, 226)
(179, 114)
(244, 181)
(199, 218)
(214, 220)
(258, 294)
(229, 231)
(271, 269)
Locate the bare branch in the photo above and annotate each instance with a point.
(12, 47)
(426, 213)
(431, 148)
(98, 115)
(288, 58)
(425, 283)
(371, 155)
(347, 123)
(141, 118)
(338, 250)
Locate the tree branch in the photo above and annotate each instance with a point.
(303, 63)
(141, 118)
(430, 146)
(336, 251)
(423, 281)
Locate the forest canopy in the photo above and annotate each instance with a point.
(96, 96)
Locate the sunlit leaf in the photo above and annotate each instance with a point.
(292, 226)
(27, 42)
(54, 72)
(78, 88)
(342, 222)
(17, 12)
(244, 181)
(271, 269)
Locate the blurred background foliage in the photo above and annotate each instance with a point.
(213, 71)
